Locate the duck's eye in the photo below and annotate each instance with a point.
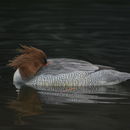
(45, 60)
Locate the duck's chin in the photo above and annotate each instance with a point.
(17, 79)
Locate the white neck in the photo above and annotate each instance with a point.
(17, 79)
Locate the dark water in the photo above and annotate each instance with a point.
(97, 31)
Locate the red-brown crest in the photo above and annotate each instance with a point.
(29, 62)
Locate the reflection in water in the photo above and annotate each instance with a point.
(96, 94)
(30, 101)
(27, 103)
(32, 98)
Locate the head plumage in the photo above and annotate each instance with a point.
(30, 60)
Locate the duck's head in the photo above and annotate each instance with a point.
(29, 62)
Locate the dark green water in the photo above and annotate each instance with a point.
(89, 30)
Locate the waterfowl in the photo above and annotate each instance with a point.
(35, 70)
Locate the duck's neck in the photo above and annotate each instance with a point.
(17, 79)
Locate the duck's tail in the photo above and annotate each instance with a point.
(125, 76)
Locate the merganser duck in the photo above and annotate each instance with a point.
(33, 69)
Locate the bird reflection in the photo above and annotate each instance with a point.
(27, 104)
(29, 101)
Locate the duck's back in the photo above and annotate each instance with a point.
(64, 65)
